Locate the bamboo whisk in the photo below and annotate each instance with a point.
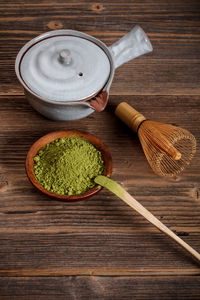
(167, 148)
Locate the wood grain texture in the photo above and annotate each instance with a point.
(100, 248)
(102, 224)
(109, 288)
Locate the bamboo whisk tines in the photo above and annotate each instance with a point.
(167, 148)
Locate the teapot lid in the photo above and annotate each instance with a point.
(63, 65)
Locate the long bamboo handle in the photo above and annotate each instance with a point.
(116, 189)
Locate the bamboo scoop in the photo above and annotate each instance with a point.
(168, 148)
(116, 189)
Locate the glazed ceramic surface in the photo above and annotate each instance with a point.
(67, 74)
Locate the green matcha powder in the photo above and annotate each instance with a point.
(68, 166)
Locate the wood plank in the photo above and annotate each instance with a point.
(97, 253)
(187, 10)
(177, 17)
(97, 287)
(135, 79)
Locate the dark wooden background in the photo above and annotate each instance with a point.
(100, 248)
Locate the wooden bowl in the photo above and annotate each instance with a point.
(39, 144)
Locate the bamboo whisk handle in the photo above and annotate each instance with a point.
(131, 117)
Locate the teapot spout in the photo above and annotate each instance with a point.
(99, 102)
(133, 44)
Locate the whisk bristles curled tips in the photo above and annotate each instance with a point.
(167, 148)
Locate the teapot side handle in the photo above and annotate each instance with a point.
(133, 44)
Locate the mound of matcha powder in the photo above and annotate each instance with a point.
(68, 166)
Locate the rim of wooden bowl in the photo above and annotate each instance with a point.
(50, 137)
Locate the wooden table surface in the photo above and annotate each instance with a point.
(100, 248)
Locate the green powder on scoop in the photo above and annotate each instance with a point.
(68, 166)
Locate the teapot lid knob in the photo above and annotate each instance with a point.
(65, 56)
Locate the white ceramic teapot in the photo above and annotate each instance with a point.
(67, 74)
